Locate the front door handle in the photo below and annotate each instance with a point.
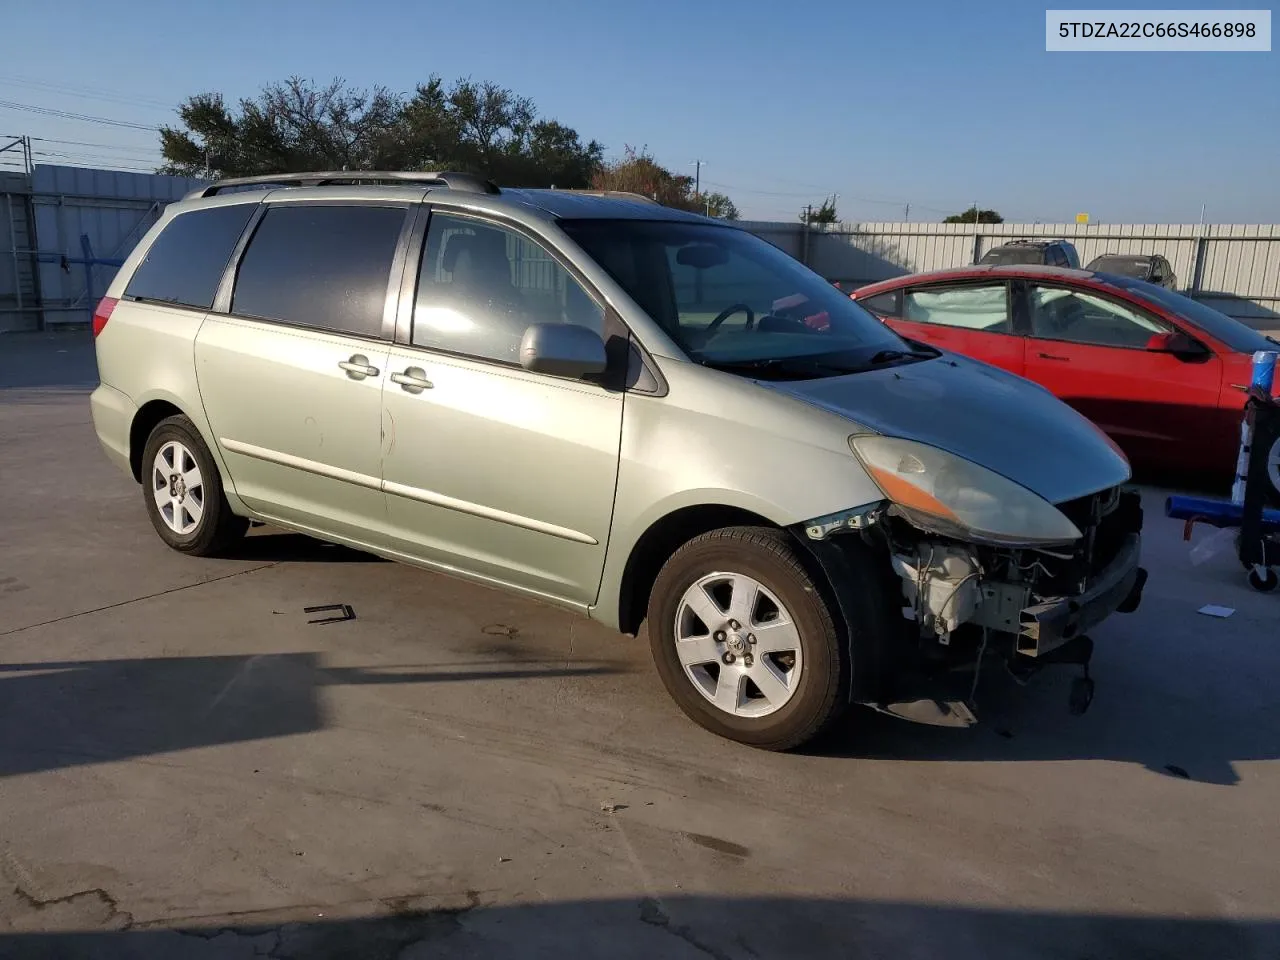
(1051, 356)
(358, 367)
(413, 380)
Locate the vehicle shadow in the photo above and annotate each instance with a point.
(62, 714)
(269, 544)
(678, 927)
(1192, 732)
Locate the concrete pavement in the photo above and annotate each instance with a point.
(190, 768)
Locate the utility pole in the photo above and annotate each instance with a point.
(697, 178)
(906, 213)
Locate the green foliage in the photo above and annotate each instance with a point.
(297, 126)
(824, 214)
(638, 172)
(974, 215)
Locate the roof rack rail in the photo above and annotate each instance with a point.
(625, 194)
(466, 182)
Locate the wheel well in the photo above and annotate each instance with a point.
(144, 421)
(657, 544)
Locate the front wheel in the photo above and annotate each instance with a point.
(744, 641)
(183, 491)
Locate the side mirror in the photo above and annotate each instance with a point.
(562, 350)
(1181, 345)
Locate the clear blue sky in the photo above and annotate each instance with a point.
(934, 103)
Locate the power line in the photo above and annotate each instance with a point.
(68, 115)
(93, 157)
(88, 93)
(89, 143)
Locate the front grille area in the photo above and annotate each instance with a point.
(1105, 518)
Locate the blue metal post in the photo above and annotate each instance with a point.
(87, 249)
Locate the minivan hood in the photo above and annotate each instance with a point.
(979, 412)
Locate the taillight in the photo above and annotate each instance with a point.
(103, 313)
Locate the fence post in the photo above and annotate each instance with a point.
(1197, 271)
(977, 247)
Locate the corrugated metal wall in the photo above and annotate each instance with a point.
(1235, 268)
(113, 209)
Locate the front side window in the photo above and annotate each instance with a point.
(481, 286)
(320, 266)
(734, 301)
(884, 304)
(1058, 313)
(983, 307)
(185, 263)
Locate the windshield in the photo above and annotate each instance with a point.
(1218, 325)
(732, 300)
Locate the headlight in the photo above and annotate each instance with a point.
(955, 497)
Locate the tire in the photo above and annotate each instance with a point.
(204, 524)
(719, 564)
(1264, 583)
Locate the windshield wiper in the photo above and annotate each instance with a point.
(800, 367)
(893, 356)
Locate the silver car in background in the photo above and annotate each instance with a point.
(633, 412)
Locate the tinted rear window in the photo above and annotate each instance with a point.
(1014, 255)
(186, 262)
(1137, 267)
(320, 266)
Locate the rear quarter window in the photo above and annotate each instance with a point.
(185, 263)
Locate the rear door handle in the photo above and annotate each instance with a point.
(1051, 356)
(358, 367)
(413, 380)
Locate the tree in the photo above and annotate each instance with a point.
(638, 172)
(974, 215)
(297, 126)
(718, 205)
(824, 214)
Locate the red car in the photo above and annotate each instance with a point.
(1163, 375)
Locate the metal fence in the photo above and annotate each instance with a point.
(1232, 267)
(64, 231)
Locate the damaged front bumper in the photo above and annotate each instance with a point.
(1047, 625)
(963, 603)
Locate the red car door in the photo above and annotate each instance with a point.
(968, 318)
(1118, 365)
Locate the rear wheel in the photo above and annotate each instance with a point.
(743, 639)
(183, 491)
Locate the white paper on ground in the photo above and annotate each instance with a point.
(1213, 610)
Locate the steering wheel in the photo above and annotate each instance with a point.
(728, 312)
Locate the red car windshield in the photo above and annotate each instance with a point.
(1236, 335)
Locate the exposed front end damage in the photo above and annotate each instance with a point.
(965, 605)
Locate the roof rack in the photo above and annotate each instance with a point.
(466, 182)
